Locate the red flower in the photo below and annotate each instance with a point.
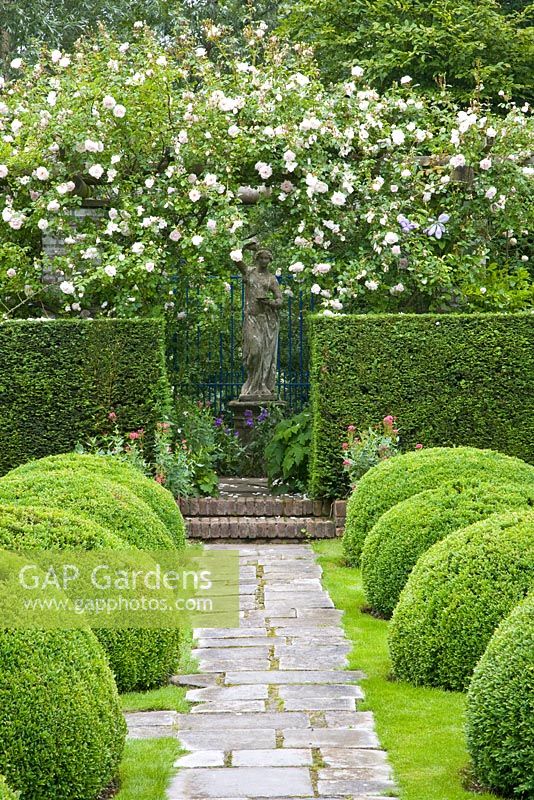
(418, 446)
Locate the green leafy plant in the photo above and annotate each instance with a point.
(110, 468)
(367, 448)
(445, 188)
(287, 454)
(401, 535)
(5, 792)
(98, 497)
(471, 45)
(171, 462)
(194, 432)
(362, 365)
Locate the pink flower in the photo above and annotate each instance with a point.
(133, 435)
(160, 478)
(351, 428)
(346, 462)
(112, 416)
(419, 446)
(345, 446)
(389, 420)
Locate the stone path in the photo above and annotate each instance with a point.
(276, 716)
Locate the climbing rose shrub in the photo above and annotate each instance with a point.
(374, 202)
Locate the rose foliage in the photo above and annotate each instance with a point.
(374, 202)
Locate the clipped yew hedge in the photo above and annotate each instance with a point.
(401, 535)
(457, 594)
(59, 380)
(451, 379)
(500, 707)
(112, 468)
(405, 475)
(61, 728)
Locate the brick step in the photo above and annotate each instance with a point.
(260, 527)
(261, 506)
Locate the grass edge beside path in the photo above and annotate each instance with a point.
(421, 728)
(147, 768)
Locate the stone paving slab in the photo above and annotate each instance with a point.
(347, 758)
(202, 680)
(251, 641)
(151, 718)
(228, 633)
(269, 719)
(201, 758)
(230, 707)
(275, 677)
(321, 704)
(329, 737)
(225, 693)
(151, 732)
(272, 758)
(233, 783)
(313, 691)
(228, 740)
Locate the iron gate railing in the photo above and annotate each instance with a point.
(208, 357)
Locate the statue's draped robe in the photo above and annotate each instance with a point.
(261, 326)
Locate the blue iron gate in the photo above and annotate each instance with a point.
(211, 355)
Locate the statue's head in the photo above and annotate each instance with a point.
(263, 258)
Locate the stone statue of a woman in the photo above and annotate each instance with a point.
(263, 299)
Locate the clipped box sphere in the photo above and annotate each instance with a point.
(401, 535)
(403, 476)
(500, 707)
(457, 594)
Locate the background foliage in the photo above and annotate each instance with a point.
(472, 45)
(451, 379)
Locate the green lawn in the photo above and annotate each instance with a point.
(147, 768)
(166, 698)
(422, 729)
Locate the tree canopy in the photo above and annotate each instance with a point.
(472, 45)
